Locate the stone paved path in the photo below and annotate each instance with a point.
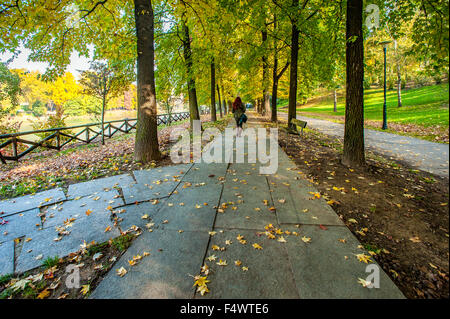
(424, 155)
(180, 243)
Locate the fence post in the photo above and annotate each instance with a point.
(126, 125)
(87, 134)
(58, 140)
(14, 141)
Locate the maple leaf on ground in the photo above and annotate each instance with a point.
(85, 289)
(306, 239)
(200, 281)
(222, 262)
(415, 239)
(20, 284)
(121, 271)
(202, 290)
(43, 294)
(364, 283)
(257, 246)
(281, 239)
(132, 262)
(363, 258)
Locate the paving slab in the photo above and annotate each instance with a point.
(154, 183)
(136, 193)
(186, 209)
(173, 172)
(43, 242)
(166, 273)
(301, 206)
(250, 212)
(206, 173)
(21, 224)
(96, 203)
(7, 258)
(21, 204)
(132, 214)
(98, 185)
(269, 272)
(321, 269)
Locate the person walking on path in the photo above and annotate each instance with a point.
(239, 115)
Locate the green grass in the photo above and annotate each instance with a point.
(50, 262)
(424, 106)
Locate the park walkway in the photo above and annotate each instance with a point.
(202, 214)
(424, 155)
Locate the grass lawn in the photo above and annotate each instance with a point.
(425, 106)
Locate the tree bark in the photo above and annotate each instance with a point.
(399, 86)
(273, 115)
(213, 92)
(354, 106)
(223, 101)
(146, 146)
(220, 106)
(103, 118)
(335, 101)
(265, 79)
(292, 110)
(193, 104)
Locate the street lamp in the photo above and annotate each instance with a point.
(385, 45)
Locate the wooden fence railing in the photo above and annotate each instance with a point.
(14, 146)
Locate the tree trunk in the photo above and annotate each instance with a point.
(230, 106)
(59, 111)
(273, 116)
(146, 144)
(335, 101)
(103, 119)
(265, 79)
(223, 101)
(292, 111)
(193, 104)
(354, 106)
(220, 106)
(399, 86)
(213, 92)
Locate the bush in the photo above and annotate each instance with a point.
(53, 121)
(8, 126)
(38, 109)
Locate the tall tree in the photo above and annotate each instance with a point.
(292, 109)
(146, 146)
(219, 102)
(354, 106)
(104, 82)
(192, 92)
(213, 92)
(9, 90)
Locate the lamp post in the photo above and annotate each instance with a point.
(385, 45)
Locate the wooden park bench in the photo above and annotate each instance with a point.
(299, 126)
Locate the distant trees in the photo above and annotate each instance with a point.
(9, 90)
(104, 82)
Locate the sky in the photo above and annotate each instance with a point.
(21, 62)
